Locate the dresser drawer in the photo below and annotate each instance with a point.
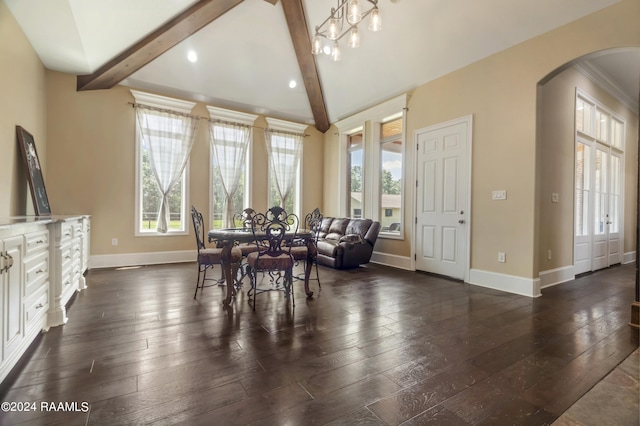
(36, 306)
(36, 272)
(77, 229)
(66, 231)
(35, 242)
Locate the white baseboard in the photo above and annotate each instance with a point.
(136, 259)
(556, 276)
(629, 257)
(393, 260)
(503, 282)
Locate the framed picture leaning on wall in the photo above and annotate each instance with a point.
(34, 172)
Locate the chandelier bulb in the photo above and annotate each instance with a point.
(333, 32)
(316, 45)
(354, 14)
(336, 55)
(375, 22)
(354, 38)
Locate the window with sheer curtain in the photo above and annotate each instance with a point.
(231, 135)
(284, 142)
(165, 135)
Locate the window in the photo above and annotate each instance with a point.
(391, 176)
(372, 169)
(165, 133)
(602, 125)
(354, 175)
(230, 136)
(617, 133)
(584, 110)
(583, 187)
(284, 147)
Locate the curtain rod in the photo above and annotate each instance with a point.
(214, 120)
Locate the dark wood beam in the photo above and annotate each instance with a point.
(155, 44)
(297, 22)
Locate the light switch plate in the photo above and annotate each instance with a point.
(499, 195)
(554, 197)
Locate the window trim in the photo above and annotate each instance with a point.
(180, 106)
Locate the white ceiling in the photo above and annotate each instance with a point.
(246, 58)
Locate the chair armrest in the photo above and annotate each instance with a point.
(351, 238)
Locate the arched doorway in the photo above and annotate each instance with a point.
(587, 148)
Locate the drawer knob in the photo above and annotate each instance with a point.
(39, 306)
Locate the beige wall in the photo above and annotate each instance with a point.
(22, 102)
(556, 165)
(92, 166)
(500, 92)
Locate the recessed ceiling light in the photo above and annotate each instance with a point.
(192, 56)
(292, 84)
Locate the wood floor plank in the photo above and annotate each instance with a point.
(374, 346)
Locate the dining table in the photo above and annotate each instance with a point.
(228, 237)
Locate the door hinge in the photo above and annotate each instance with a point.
(415, 257)
(416, 220)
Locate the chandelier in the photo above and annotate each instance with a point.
(343, 21)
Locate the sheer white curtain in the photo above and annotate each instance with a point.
(284, 149)
(229, 143)
(168, 137)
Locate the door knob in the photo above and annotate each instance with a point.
(461, 221)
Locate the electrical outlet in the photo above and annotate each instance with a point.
(114, 241)
(502, 258)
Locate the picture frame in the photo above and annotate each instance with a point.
(34, 172)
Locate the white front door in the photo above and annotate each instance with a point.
(442, 217)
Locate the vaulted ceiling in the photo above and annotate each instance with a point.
(249, 50)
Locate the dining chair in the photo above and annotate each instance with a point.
(270, 230)
(209, 257)
(243, 220)
(300, 250)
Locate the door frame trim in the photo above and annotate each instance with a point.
(468, 120)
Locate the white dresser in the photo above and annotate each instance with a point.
(42, 265)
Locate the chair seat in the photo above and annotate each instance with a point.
(299, 252)
(247, 248)
(262, 262)
(213, 256)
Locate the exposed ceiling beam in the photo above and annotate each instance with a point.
(297, 22)
(155, 44)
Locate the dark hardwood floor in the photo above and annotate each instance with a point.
(376, 346)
